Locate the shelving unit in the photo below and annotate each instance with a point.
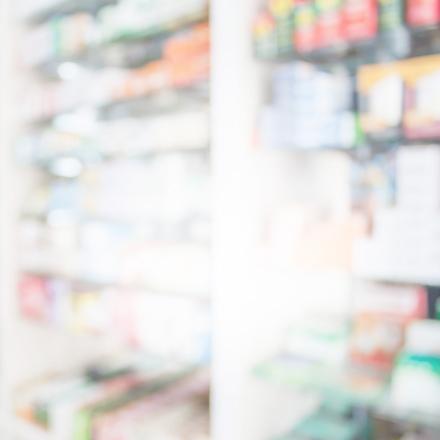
(303, 82)
(60, 159)
(283, 222)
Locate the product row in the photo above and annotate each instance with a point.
(381, 353)
(109, 254)
(71, 35)
(91, 141)
(391, 232)
(171, 188)
(313, 108)
(132, 317)
(121, 398)
(285, 27)
(185, 62)
(404, 204)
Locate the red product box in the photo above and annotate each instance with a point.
(305, 36)
(422, 13)
(382, 314)
(361, 19)
(330, 23)
(35, 298)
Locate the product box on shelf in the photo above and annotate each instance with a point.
(423, 337)
(273, 29)
(401, 98)
(373, 183)
(125, 420)
(185, 62)
(392, 15)
(422, 98)
(381, 97)
(415, 387)
(418, 178)
(310, 108)
(330, 23)
(130, 19)
(62, 37)
(320, 339)
(73, 405)
(423, 13)
(264, 35)
(90, 419)
(405, 236)
(404, 246)
(381, 316)
(35, 298)
(283, 13)
(415, 384)
(132, 317)
(360, 20)
(305, 36)
(434, 303)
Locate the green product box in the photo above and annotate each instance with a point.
(391, 14)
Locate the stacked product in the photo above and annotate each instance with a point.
(416, 380)
(131, 136)
(310, 109)
(74, 35)
(184, 62)
(392, 335)
(113, 239)
(127, 400)
(133, 316)
(381, 315)
(399, 99)
(405, 237)
(375, 365)
(284, 27)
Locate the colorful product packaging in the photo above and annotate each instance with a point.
(415, 387)
(265, 37)
(423, 337)
(305, 35)
(119, 422)
(405, 239)
(360, 20)
(283, 12)
(434, 302)
(330, 23)
(90, 417)
(311, 108)
(373, 183)
(35, 298)
(382, 314)
(320, 339)
(91, 312)
(381, 95)
(423, 13)
(188, 56)
(392, 15)
(422, 98)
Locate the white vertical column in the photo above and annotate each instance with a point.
(252, 308)
(237, 324)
